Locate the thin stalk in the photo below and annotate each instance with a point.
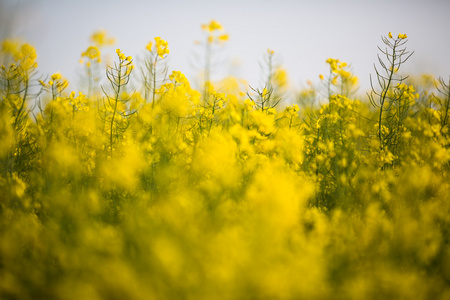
(384, 93)
(119, 77)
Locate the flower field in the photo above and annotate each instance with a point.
(143, 186)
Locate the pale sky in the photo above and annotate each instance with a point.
(303, 33)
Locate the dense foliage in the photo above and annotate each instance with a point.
(143, 187)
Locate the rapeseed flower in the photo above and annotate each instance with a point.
(101, 39)
(121, 56)
(213, 29)
(162, 47)
(212, 26)
(93, 53)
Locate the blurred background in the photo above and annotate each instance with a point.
(303, 34)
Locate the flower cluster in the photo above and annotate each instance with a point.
(101, 39)
(401, 36)
(340, 71)
(24, 55)
(215, 32)
(80, 102)
(92, 53)
(161, 47)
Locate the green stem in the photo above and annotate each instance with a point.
(153, 70)
(207, 71)
(384, 93)
(119, 78)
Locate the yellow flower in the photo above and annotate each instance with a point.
(321, 77)
(26, 57)
(333, 63)
(162, 47)
(92, 52)
(56, 76)
(390, 34)
(178, 77)
(249, 104)
(223, 37)
(280, 77)
(122, 56)
(11, 47)
(149, 46)
(100, 39)
(212, 26)
(334, 80)
(272, 111)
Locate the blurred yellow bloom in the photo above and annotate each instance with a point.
(272, 111)
(91, 52)
(334, 80)
(149, 46)
(280, 78)
(213, 29)
(56, 76)
(11, 47)
(390, 35)
(212, 26)
(100, 39)
(223, 37)
(26, 57)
